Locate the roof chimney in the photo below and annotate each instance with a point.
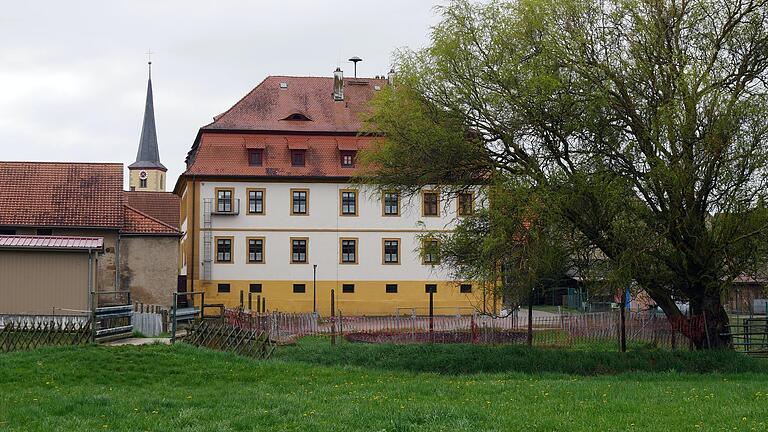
(338, 85)
(391, 77)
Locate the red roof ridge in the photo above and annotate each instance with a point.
(151, 218)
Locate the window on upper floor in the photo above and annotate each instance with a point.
(299, 250)
(348, 203)
(255, 157)
(224, 250)
(430, 203)
(299, 201)
(430, 249)
(391, 251)
(256, 250)
(256, 201)
(298, 158)
(224, 200)
(466, 203)
(391, 203)
(349, 251)
(348, 159)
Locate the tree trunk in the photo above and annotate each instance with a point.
(709, 326)
(716, 331)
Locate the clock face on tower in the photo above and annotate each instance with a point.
(143, 175)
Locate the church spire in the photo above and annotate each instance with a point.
(148, 156)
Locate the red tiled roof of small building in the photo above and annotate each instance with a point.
(259, 122)
(163, 206)
(137, 222)
(61, 194)
(50, 242)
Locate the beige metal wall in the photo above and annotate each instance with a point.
(34, 282)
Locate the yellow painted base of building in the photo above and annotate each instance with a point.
(369, 297)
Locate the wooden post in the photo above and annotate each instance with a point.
(250, 301)
(258, 304)
(431, 310)
(241, 299)
(622, 324)
(333, 318)
(173, 318)
(530, 319)
(263, 305)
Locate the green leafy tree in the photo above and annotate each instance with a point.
(641, 123)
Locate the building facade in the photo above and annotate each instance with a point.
(267, 209)
(138, 228)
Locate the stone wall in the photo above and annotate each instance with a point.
(149, 268)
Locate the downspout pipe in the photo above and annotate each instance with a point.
(117, 262)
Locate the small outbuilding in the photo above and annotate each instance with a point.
(48, 275)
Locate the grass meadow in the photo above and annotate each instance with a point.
(312, 386)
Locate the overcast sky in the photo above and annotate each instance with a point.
(73, 73)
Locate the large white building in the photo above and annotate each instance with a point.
(268, 209)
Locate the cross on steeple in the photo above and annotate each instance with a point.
(149, 62)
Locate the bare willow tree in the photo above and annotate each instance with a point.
(641, 123)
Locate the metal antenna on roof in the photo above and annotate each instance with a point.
(354, 60)
(149, 62)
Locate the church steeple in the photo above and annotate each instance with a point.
(147, 173)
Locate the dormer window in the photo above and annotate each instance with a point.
(298, 158)
(297, 116)
(348, 159)
(255, 157)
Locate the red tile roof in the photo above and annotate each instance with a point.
(227, 154)
(61, 194)
(50, 242)
(258, 121)
(137, 222)
(163, 206)
(267, 106)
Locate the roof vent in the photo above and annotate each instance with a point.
(377, 87)
(283, 85)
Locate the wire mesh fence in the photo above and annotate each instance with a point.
(551, 330)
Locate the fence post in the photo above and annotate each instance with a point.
(263, 305)
(258, 304)
(431, 310)
(333, 318)
(530, 319)
(623, 324)
(241, 299)
(173, 318)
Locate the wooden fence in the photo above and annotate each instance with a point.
(150, 320)
(30, 332)
(222, 336)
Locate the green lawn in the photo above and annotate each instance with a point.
(313, 387)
